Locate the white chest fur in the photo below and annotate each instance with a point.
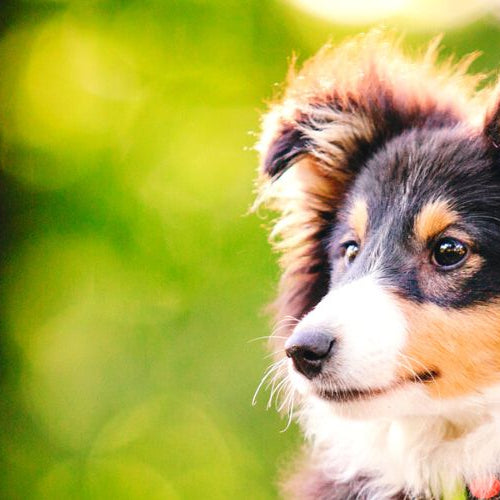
(421, 454)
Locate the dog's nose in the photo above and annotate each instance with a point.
(309, 348)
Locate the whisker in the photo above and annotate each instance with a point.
(287, 319)
(272, 354)
(272, 368)
(273, 380)
(406, 365)
(266, 337)
(290, 410)
(427, 371)
(281, 328)
(282, 393)
(274, 390)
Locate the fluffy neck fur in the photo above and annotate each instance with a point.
(427, 455)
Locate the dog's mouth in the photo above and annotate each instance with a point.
(349, 395)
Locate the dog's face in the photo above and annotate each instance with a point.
(414, 256)
(391, 241)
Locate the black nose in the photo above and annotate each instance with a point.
(309, 349)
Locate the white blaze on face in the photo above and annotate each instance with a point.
(369, 331)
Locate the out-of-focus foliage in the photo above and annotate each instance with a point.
(131, 279)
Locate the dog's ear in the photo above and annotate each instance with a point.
(335, 114)
(492, 120)
(289, 145)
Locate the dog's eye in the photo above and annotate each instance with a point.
(350, 250)
(449, 253)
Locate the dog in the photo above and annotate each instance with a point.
(384, 170)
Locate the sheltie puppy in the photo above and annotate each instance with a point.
(385, 173)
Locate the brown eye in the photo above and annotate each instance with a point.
(350, 250)
(449, 253)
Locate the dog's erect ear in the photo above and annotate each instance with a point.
(335, 113)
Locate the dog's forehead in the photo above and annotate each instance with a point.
(444, 169)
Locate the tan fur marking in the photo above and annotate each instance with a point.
(433, 218)
(462, 345)
(358, 218)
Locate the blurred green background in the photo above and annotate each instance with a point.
(132, 280)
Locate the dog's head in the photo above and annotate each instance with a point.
(386, 175)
